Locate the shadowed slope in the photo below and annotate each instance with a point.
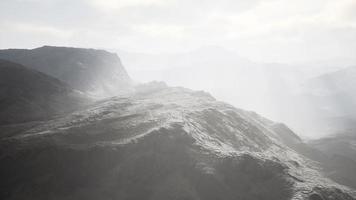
(27, 95)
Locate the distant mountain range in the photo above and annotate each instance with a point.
(282, 92)
(334, 95)
(153, 142)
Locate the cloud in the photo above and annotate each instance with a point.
(279, 30)
(27, 35)
(114, 5)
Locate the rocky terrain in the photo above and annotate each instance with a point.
(157, 142)
(314, 99)
(171, 143)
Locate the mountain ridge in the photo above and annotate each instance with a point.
(96, 72)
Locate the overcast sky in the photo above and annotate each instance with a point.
(262, 30)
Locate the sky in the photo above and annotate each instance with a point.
(262, 30)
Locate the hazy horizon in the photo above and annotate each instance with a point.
(262, 31)
(257, 55)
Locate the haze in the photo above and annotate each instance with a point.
(229, 48)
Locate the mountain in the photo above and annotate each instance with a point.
(160, 143)
(96, 72)
(151, 141)
(333, 83)
(338, 144)
(333, 97)
(335, 155)
(29, 95)
(271, 89)
(341, 149)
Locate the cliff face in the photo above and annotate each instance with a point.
(163, 143)
(96, 72)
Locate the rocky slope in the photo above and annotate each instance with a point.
(29, 95)
(341, 151)
(160, 143)
(97, 72)
(332, 99)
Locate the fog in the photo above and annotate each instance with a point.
(281, 92)
(265, 56)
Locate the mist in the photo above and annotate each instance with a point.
(257, 55)
(281, 92)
